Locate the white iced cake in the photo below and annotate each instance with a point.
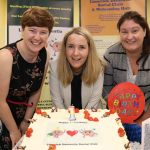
(84, 130)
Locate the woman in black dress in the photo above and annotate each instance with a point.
(23, 66)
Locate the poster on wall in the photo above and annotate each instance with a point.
(100, 18)
(62, 11)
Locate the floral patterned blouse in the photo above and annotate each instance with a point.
(26, 78)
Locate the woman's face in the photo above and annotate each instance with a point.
(35, 38)
(77, 51)
(132, 36)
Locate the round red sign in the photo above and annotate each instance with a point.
(128, 100)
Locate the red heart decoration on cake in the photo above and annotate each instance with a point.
(72, 133)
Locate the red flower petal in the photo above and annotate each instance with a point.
(38, 111)
(76, 110)
(95, 119)
(29, 132)
(121, 132)
(90, 118)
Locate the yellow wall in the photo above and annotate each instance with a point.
(148, 11)
(3, 22)
(3, 18)
(3, 39)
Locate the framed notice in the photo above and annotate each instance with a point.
(62, 11)
(100, 16)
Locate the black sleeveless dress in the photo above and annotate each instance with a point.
(26, 78)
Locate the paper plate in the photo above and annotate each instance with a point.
(128, 100)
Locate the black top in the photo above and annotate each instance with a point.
(26, 78)
(76, 84)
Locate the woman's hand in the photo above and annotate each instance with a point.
(15, 137)
(139, 122)
(144, 116)
(23, 127)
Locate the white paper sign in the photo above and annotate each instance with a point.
(146, 134)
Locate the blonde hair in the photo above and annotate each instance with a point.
(92, 67)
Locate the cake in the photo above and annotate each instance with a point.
(85, 130)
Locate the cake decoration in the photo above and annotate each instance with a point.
(89, 117)
(108, 113)
(117, 120)
(29, 132)
(32, 120)
(89, 133)
(54, 109)
(82, 134)
(127, 146)
(56, 133)
(94, 109)
(76, 110)
(52, 147)
(21, 147)
(121, 132)
(42, 113)
(72, 132)
(38, 111)
(72, 113)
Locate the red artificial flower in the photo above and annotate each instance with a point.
(121, 132)
(43, 113)
(95, 119)
(52, 147)
(29, 132)
(38, 111)
(76, 110)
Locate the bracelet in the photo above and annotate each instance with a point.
(26, 121)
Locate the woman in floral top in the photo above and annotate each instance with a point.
(23, 66)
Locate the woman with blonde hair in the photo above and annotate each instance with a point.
(76, 78)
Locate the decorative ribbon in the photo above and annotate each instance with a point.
(19, 103)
